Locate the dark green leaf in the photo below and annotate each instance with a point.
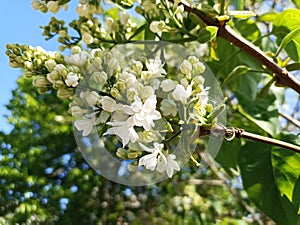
(238, 71)
(297, 3)
(262, 112)
(293, 66)
(207, 34)
(259, 182)
(287, 170)
(285, 23)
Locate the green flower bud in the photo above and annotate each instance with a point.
(42, 90)
(37, 62)
(139, 10)
(75, 50)
(28, 74)
(40, 81)
(121, 153)
(115, 93)
(58, 84)
(121, 85)
(50, 64)
(64, 93)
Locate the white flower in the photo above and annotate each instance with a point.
(167, 85)
(144, 114)
(50, 64)
(124, 130)
(182, 94)
(168, 107)
(92, 98)
(86, 125)
(168, 164)
(150, 160)
(72, 80)
(79, 59)
(109, 104)
(155, 67)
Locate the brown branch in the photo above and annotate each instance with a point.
(290, 119)
(231, 133)
(282, 76)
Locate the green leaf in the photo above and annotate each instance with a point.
(229, 154)
(208, 34)
(262, 112)
(249, 29)
(285, 23)
(238, 71)
(112, 12)
(258, 180)
(268, 17)
(293, 66)
(290, 37)
(297, 3)
(287, 170)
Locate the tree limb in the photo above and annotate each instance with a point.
(231, 133)
(282, 76)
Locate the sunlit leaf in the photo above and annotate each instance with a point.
(258, 180)
(207, 34)
(285, 23)
(268, 17)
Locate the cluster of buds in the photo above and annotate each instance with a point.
(141, 106)
(87, 8)
(52, 6)
(32, 61)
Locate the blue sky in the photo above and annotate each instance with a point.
(20, 23)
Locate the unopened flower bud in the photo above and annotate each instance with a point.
(28, 74)
(115, 93)
(100, 77)
(50, 64)
(28, 65)
(64, 93)
(58, 84)
(87, 38)
(75, 50)
(40, 81)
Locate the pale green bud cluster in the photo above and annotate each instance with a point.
(87, 8)
(52, 6)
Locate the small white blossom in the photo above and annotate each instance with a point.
(92, 98)
(86, 125)
(53, 6)
(182, 94)
(124, 130)
(144, 114)
(150, 160)
(72, 80)
(155, 67)
(168, 164)
(78, 59)
(109, 104)
(167, 85)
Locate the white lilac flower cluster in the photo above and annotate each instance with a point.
(142, 105)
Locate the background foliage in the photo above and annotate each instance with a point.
(44, 179)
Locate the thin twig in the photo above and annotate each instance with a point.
(290, 119)
(231, 133)
(283, 77)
